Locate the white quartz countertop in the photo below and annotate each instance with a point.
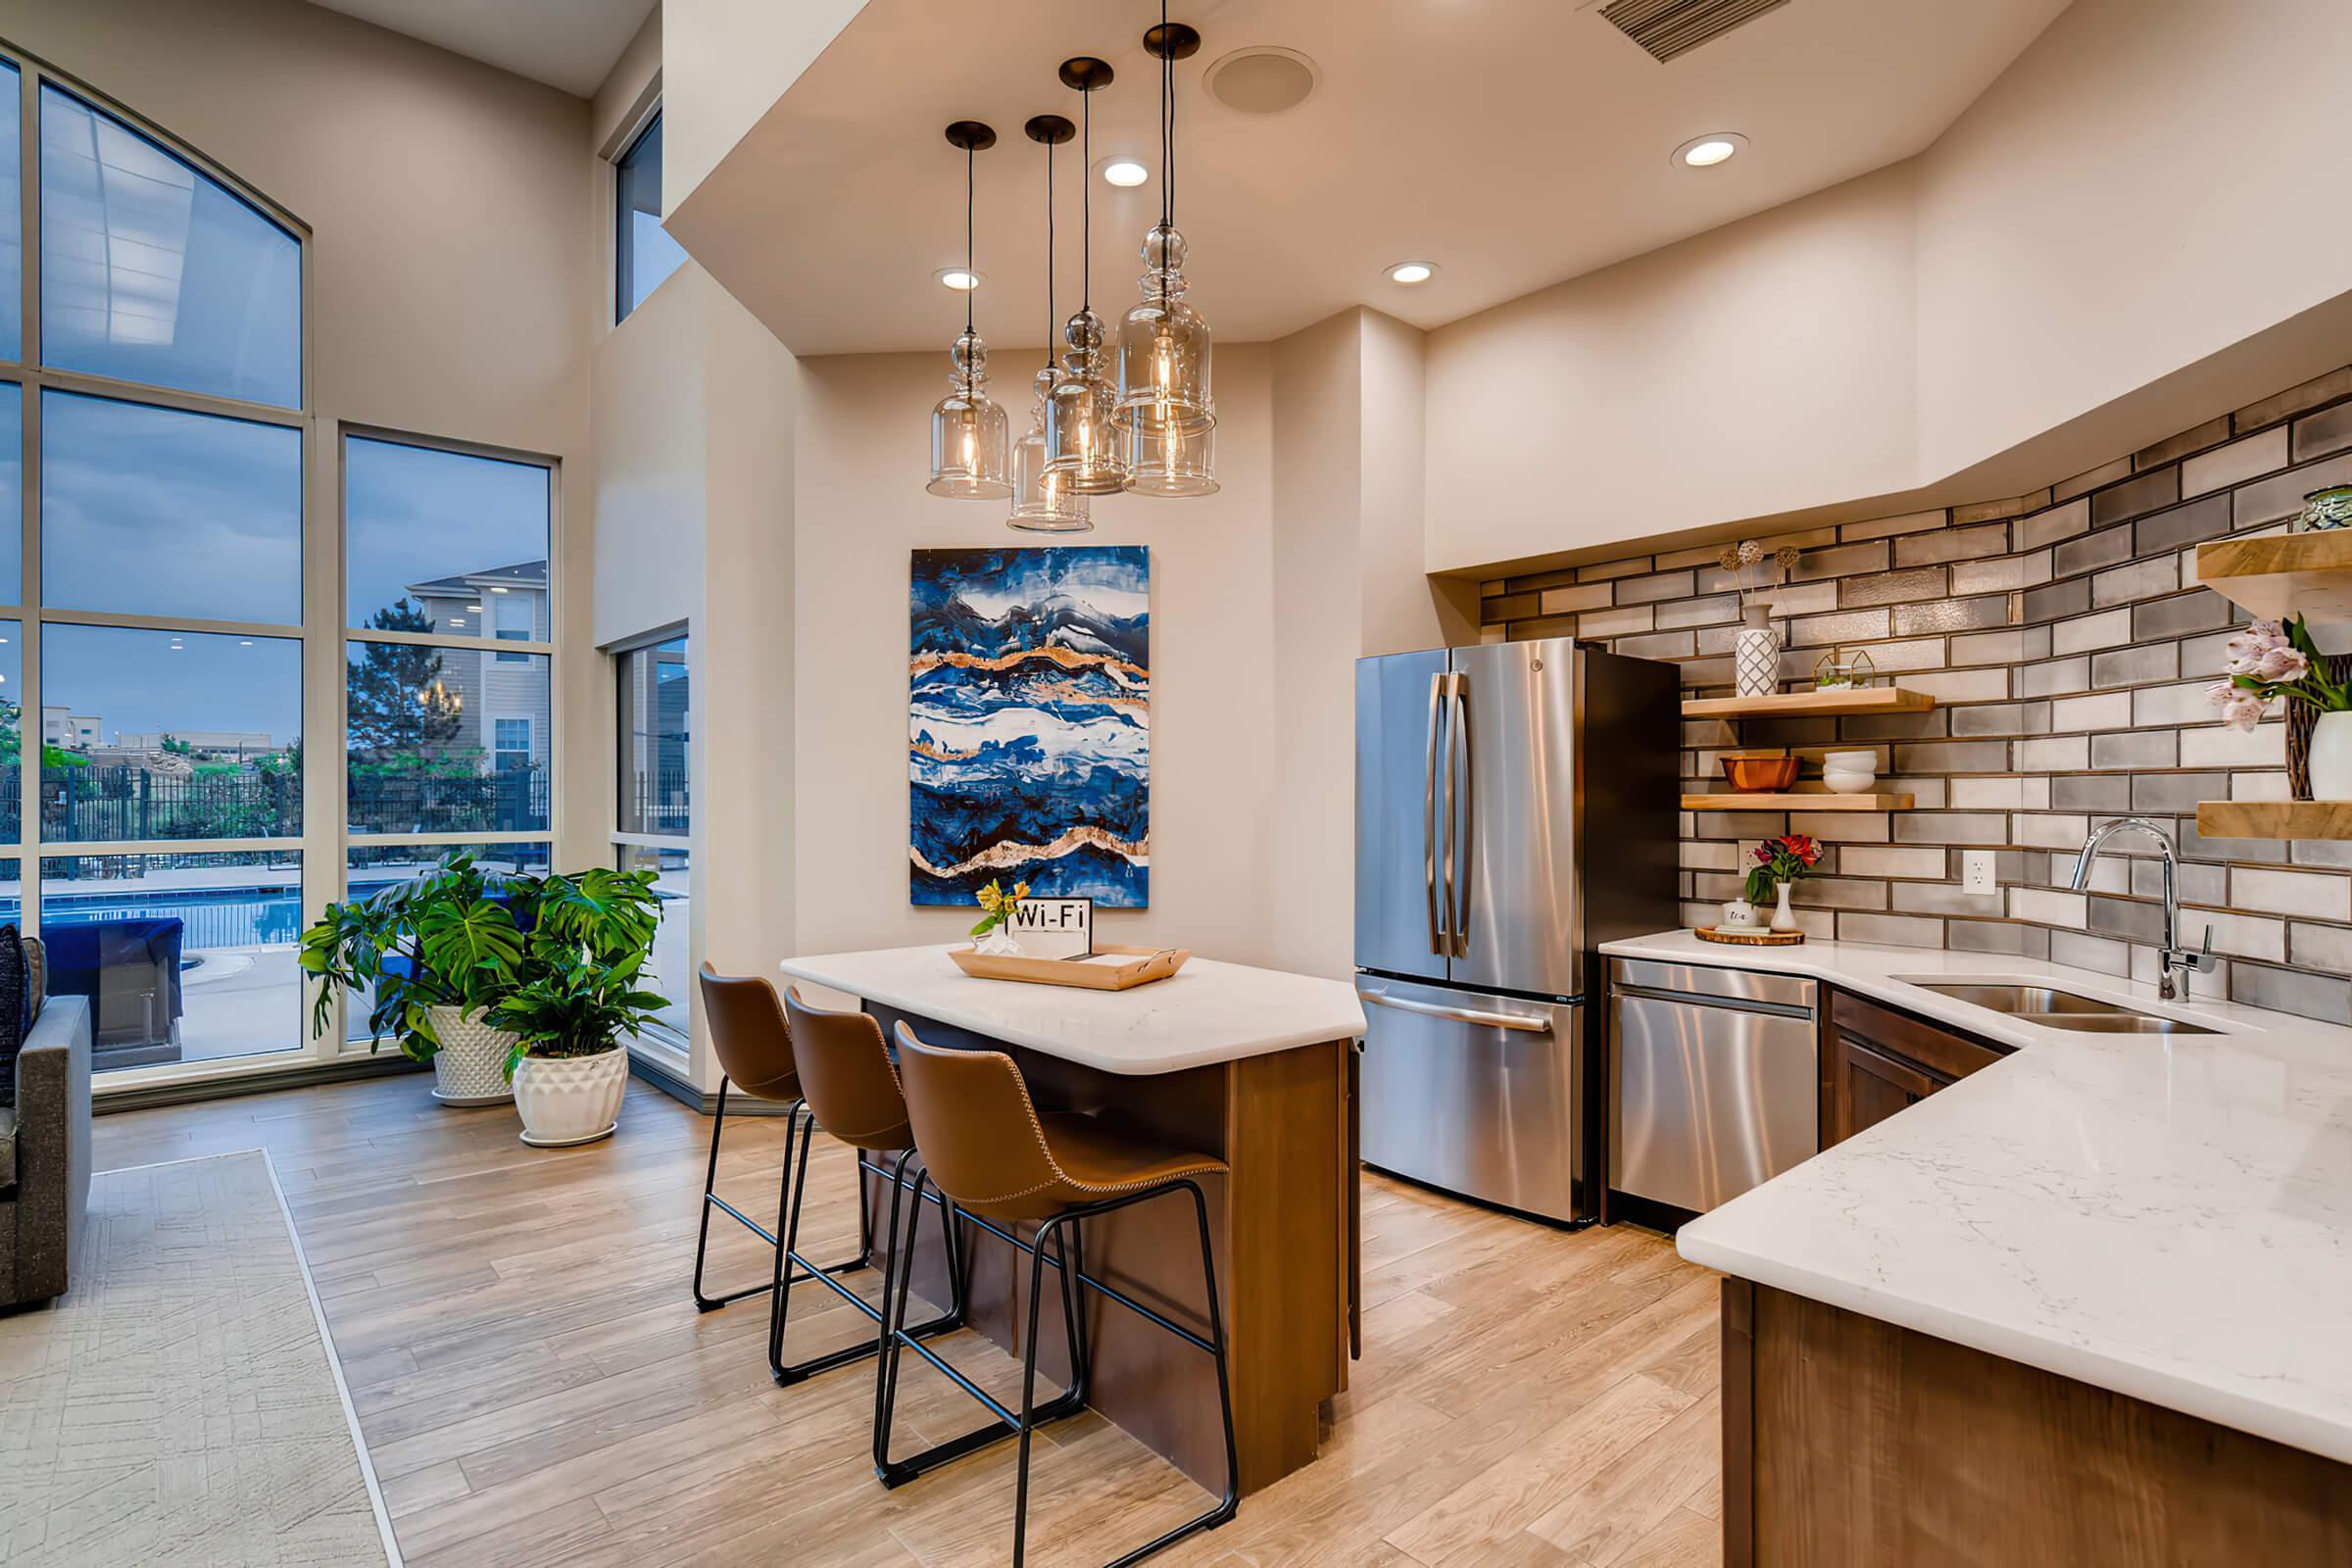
(1205, 1013)
(2165, 1216)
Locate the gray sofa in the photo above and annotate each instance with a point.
(45, 1156)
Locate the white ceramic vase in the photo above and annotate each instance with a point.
(470, 1068)
(997, 943)
(2332, 758)
(1783, 919)
(1756, 654)
(571, 1100)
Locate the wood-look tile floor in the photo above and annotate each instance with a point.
(536, 1387)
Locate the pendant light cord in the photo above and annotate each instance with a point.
(1049, 256)
(969, 276)
(1086, 216)
(1167, 121)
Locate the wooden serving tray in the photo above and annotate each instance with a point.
(1149, 965)
(1749, 939)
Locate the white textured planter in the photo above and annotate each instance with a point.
(571, 1100)
(2332, 758)
(470, 1068)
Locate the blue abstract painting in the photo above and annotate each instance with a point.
(1029, 723)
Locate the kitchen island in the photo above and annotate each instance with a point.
(2088, 1304)
(1251, 1065)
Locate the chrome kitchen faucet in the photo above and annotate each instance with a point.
(2173, 959)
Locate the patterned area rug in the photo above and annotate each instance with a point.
(180, 1404)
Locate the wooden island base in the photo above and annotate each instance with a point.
(1282, 1225)
(1851, 1440)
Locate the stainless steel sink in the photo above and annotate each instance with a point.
(2055, 1009)
(2115, 1023)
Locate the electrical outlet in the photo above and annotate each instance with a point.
(1976, 874)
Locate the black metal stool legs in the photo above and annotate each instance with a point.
(788, 1259)
(1214, 1345)
(798, 1133)
(711, 1199)
(897, 1337)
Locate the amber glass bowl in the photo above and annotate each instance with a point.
(1759, 776)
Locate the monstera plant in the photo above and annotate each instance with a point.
(438, 953)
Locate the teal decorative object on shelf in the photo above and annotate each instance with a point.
(2326, 509)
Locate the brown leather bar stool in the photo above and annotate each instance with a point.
(755, 1056)
(998, 1161)
(851, 1092)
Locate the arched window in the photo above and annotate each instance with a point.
(154, 447)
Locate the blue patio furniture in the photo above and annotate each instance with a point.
(130, 970)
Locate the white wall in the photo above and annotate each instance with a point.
(861, 509)
(727, 63)
(2148, 184)
(1761, 366)
(2131, 223)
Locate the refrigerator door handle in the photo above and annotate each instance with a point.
(1449, 944)
(1429, 817)
(1431, 1009)
(1458, 877)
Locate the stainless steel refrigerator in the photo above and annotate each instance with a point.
(1516, 806)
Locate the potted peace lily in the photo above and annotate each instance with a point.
(2268, 660)
(439, 951)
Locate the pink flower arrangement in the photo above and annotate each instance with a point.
(2268, 660)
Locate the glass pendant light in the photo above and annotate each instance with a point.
(1042, 502)
(1081, 440)
(1168, 412)
(967, 426)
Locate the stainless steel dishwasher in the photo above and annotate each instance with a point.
(1714, 1080)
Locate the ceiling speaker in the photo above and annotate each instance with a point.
(1262, 80)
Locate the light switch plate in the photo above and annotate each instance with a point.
(1976, 873)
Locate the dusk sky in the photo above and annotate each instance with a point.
(415, 514)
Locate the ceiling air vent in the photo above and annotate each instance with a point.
(1671, 28)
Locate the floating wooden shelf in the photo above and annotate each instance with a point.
(1841, 701)
(2284, 574)
(2275, 820)
(1797, 801)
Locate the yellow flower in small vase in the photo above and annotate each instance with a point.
(992, 936)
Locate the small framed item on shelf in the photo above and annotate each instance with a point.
(1839, 672)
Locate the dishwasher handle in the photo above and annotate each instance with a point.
(1432, 1009)
(1687, 998)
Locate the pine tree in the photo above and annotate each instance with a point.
(398, 707)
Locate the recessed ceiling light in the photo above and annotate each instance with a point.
(1125, 172)
(1705, 152)
(957, 278)
(1412, 272)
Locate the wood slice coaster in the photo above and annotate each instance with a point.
(1749, 939)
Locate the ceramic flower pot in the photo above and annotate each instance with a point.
(997, 943)
(470, 1068)
(571, 1100)
(1756, 654)
(2332, 758)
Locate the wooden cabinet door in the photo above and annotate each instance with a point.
(1870, 1088)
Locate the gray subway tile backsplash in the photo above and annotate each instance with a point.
(2087, 705)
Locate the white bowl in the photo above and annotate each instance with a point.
(1842, 781)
